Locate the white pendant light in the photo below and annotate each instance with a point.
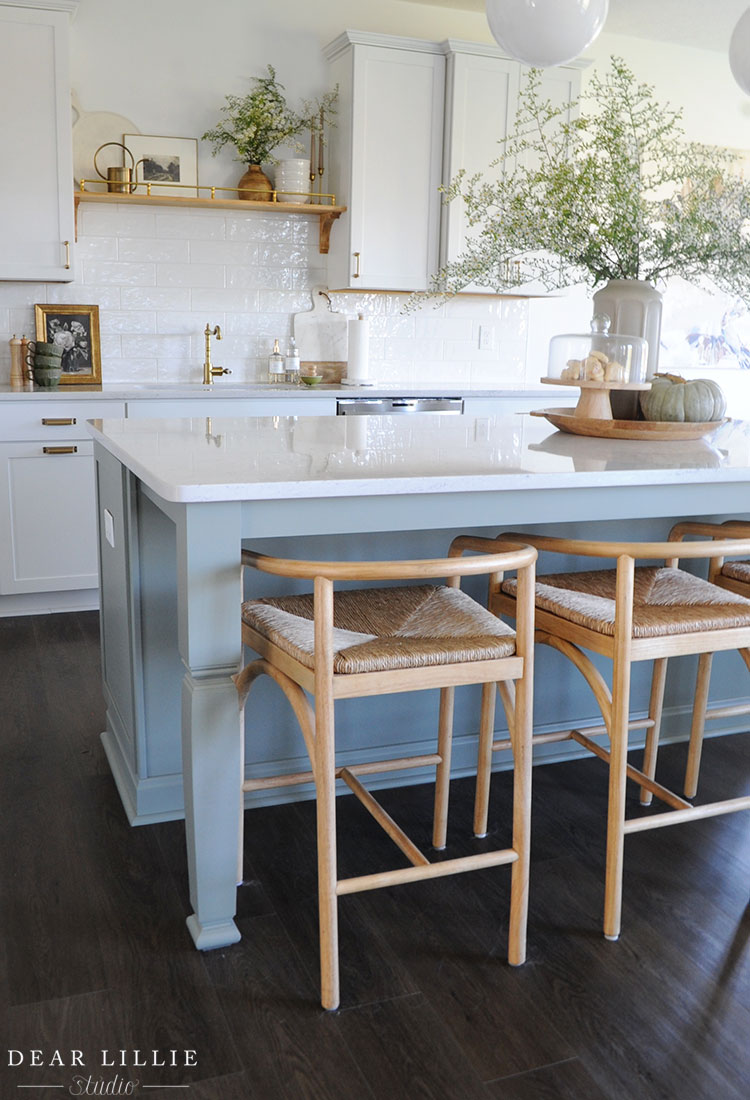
(545, 32)
(739, 52)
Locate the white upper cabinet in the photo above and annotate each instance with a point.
(36, 182)
(482, 90)
(385, 161)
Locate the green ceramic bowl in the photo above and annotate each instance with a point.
(39, 347)
(47, 362)
(311, 379)
(47, 377)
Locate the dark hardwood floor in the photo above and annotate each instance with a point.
(95, 955)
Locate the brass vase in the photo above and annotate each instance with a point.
(255, 185)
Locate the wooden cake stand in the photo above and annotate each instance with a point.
(594, 403)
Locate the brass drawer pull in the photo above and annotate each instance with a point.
(357, 272)
(60, 450)
(59, 421)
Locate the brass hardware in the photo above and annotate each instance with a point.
(210, 371)
(60, 450)
(58, 421)
(356, 268)
(119, 179)
(67, 255)
(317, 198)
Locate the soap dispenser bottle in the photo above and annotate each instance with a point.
(292, 363)
(276, 364)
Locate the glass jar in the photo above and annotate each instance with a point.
(598, 356)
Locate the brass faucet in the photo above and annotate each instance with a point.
(210, 371)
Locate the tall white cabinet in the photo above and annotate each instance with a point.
(36, 181)
(386, 160)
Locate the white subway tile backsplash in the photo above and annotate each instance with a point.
(119, 321)
(160, 277)
(157, 345)
(191, 275)
(157, 298)
(115, 273)
(154, 251)
(191, 226)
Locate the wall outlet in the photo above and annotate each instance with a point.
(486, 338)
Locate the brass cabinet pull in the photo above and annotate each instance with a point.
(60, 450)
(59, 421)
(356, 269)
(67, 254)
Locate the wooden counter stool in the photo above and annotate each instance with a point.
(735, 577)
(632, 614)
(376, 641)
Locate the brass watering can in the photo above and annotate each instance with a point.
(120, 179)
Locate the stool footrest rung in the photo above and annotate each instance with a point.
(372, 767)
(431, 870)
(385, 821)
(662, 793)
(692, 813)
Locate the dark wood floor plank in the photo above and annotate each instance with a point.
(289, 1047)
(563, 1081)
(405, 1051)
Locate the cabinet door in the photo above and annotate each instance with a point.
(482, 92)
(388, 167)
(36, 181)
(48, 503)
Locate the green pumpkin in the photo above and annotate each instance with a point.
(672, 398)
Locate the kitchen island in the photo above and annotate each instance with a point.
(176, 499)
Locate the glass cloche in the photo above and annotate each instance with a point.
(598, 356)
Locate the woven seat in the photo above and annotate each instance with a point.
(640, 613)
(369, 641)
(665, 601)
(737, 571)
(377, 629)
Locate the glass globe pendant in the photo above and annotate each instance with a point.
(545, 32)
(739, 52)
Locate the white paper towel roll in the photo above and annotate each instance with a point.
(358, 367)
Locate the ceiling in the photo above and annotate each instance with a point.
(708, 25)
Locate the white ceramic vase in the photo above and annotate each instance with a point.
(634, 309)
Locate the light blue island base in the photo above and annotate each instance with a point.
(173, 514)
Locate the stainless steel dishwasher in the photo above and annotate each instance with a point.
(397, 406)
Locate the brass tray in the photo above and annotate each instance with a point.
(567, 421)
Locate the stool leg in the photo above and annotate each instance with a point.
(521, 731)
(325, 786)
(484, 759)
(655, 707)
(618, 760)
(443, 771)
(698, 724)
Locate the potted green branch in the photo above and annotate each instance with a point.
(613, 195)
(256, 124)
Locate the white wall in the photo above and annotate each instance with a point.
(160, 276)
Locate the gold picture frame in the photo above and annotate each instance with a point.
(168, 164)
(76, 328)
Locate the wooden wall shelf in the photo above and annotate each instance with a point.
(326, 213)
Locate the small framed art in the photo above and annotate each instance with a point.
(76, 330)
(169, 165)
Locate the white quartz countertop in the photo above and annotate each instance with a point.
(272, 458)
(130, 391)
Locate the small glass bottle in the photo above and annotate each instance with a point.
(276, 364)
(291, 371)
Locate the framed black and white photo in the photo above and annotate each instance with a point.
(160, 161)
(76, 330)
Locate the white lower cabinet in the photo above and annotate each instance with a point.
(47, 495)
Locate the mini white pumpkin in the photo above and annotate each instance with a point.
(672, 398)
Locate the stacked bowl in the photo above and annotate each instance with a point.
(45, 360)
(293, 181)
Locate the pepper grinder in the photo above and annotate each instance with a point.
(17, 366)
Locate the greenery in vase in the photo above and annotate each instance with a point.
(256, 123)
(613, 192)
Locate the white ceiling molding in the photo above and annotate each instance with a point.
(70, 6)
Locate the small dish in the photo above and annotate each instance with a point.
(311, 379)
